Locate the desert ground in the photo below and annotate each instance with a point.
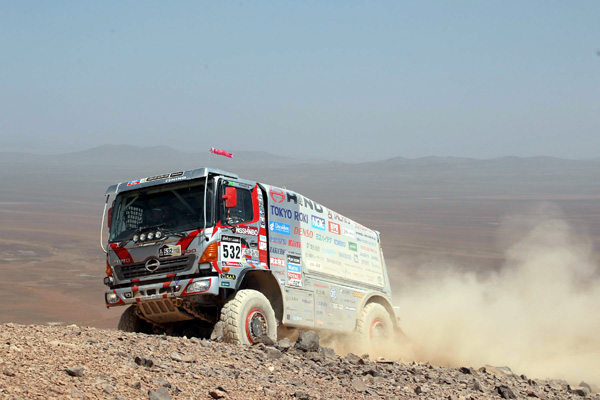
(459, 214)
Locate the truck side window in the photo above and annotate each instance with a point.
(243, 211)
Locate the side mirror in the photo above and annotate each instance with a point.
(230, 197)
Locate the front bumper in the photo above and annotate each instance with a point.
(161, 290)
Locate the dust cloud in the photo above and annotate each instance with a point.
(539, 314)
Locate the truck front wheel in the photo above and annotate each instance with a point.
(374, 327)
(248, 316)
(131, 322)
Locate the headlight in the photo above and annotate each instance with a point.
(200, 286)
(142, 237)
(136, 238)
(112, 298)
(150, 235)
(109, 280)
(158, 234)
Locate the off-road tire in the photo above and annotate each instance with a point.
(374, 326)
(247, 315)
(131, 322)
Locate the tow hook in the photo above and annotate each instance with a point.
(177, 302)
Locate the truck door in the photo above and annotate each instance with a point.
(242, 229)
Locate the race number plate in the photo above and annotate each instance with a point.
(169, 251)
(230, 249)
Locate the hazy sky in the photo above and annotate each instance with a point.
(345, 80)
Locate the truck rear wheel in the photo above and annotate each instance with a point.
(131, 322)
(374, 327)
(248, 316)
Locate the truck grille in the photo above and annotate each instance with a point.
(139, 270)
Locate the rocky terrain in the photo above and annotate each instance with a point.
(74, 362)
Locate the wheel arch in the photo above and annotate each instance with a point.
(385, 303)
(266, 283)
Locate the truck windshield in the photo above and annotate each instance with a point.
(175, 207)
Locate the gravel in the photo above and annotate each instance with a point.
(76, 362)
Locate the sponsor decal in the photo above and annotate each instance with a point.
(136, 182)
(276, 250)
(225, 284)
(279, 227)
(246, 230)
(333, 294)
(317, 222)
(352, 246)
(274, 239)
(348, 232)
(329, 251)
(356, 258)
(180, 178)
(334, 228)
(277, 262)
(357, 294)
(277, 195)
(281, 212)
(345, 256)
(253, 262)
(228, 276)
(304, 232)
(262, 245)
(250, 253)
(300, 217)
(188, 251)
(313, 247)
(294, 243)
(169, 251)
(231, 264)
(324, 238)
(282, 281)
(340, 243)
(350, 308)
(294, 271)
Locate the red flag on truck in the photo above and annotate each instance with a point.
(221, 152)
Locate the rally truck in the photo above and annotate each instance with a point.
(190, 249)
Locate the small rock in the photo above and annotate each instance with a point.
(272, 353)
(137, 385)
(418, 390)
(354, 359)
(143, 362)
(465, 370)
(75, 371)
(218, 332)
(264, 339)
(328, 353)
(359, 385)
(176, 357)
(217, 394)
(532, 394)
(107, 389)
(162, 382)
(585, 385)
(284, 344)
(8, 372)
(159, 394)
(307, 341)
(76, 393)
(505, 392)
(477, 386)
(498, 371)
(580, 391)
(301, 395)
